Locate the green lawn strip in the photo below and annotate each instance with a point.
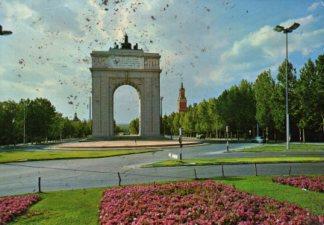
(73, 207)
(263, 186)
(282, 147)
(237, 160)
(20, 155)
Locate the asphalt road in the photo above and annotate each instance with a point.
(16, 178)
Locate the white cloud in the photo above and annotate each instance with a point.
(266, 41)
(17, 11)
(303, 21)
(263, 48)
(2, 70)
(195, 44)
(308, 41)
(315, 5)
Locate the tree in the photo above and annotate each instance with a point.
(176, 124)
(134, 126)
(237, 107)
(263, 88)
(118, 129)
(41, 120)
(246, 107)
(188, 122)
(320, 89)
(216, 122)
(68, 128)
(278, 101)
(204, 124)
(56, 128)
(39, 117)
(306, 92)
(224, 107)
(10, 122)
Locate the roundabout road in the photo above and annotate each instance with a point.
(16, 178)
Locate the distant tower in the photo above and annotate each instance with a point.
(182, 101)
(76, 117)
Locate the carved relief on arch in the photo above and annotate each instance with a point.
(98, 62)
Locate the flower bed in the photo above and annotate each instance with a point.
(196, 202)
(309, 183)
(12, 206)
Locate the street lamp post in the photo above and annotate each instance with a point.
(180, 142)
(24, 123)
(161, 99)
(13, 125)
(286, 31)
(25, 106)
(227, 144)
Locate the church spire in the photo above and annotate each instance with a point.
(182, 101)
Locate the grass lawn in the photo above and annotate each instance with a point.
(21, 155)
(236, 160)
(263, 185)
(77, 207)
(64, 207)
(282, 147)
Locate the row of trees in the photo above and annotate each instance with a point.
(40, 121)
(243, 106)
(240, 107)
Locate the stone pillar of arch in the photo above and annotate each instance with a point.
(114, 68)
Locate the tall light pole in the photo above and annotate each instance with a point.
(25, 106)
(161, 120)
(227, 143)
(24, 123)
(286, 31)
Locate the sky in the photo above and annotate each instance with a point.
(208, 44)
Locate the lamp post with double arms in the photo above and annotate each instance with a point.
(5, 32)
(287, 30)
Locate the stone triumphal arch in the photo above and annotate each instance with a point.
(119, 66)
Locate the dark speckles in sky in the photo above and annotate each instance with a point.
(208, 44)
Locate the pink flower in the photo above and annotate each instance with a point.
(196, 202)
(315, 183)
(12, 206)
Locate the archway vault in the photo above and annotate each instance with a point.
(127, 104)
(118, 67)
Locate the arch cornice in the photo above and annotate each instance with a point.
(125, 70)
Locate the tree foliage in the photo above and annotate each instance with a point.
(134, 126)
(306, 91)
(40, 120)
(243, 106)
(263, 89)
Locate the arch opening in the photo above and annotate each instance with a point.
(127, 111)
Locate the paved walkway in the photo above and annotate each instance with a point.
(22, 177)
